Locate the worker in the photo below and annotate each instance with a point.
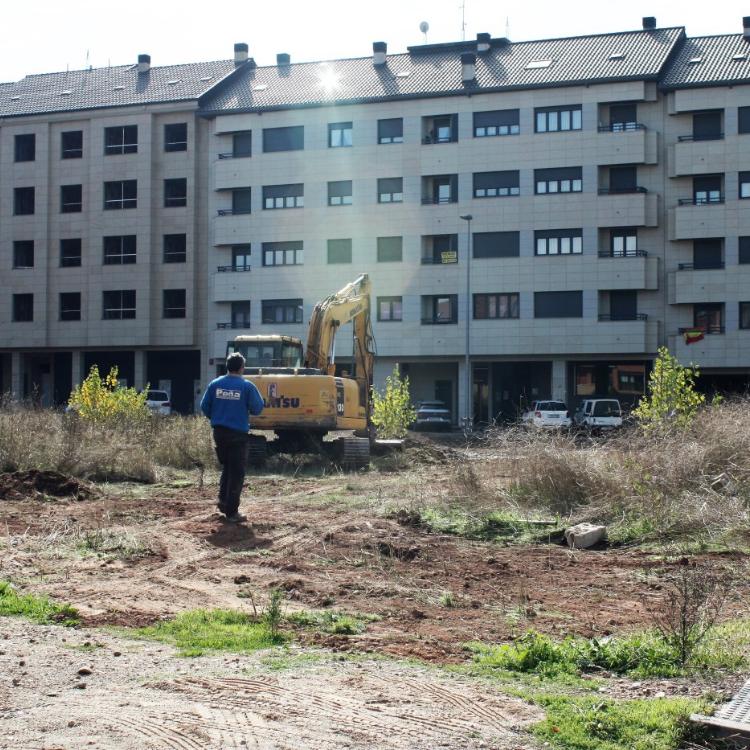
(227, 402)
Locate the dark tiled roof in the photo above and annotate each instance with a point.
(109, 87)
(716, 65)
(435, 70)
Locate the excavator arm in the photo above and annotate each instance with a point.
(350, 304)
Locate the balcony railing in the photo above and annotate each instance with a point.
(707, 266)
(232, 269)
(438, 321)
(447, 257)
(232, 211)
(431, 200)
(701, 201)
(707, 137)
(431, 138)
(621, 127)
(622, 190)
(607, 317)
(232, 155)
(623, 254)
(707, 330)
(244, 324)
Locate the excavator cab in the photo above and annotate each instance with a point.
(267, 352)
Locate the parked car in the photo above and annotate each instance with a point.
(432, 415)
(599, 414)
(547, 414)
(158, 402)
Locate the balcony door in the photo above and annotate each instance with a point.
(623, 304)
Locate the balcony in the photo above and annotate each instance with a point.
(693, 285)
(438, 321)
(626, 271)
(234, 325)
(231, 229)
(638, 208)
(610, 318)
(626, 143)
(719, 349)
(230, 285)
(699, 156)
(695, 219)
(446, 258)
(230, 172)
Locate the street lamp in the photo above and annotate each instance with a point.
(468, 418)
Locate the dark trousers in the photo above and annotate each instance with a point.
(231, 450)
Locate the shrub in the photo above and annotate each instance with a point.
(392, 411)
(105, 400)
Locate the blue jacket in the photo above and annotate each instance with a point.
(228, 400)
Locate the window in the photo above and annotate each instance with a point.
(495, 306)
(496, 184)
(560, 180)
(340, 193)
(552, 119)
(744, 184)
(442, 188)
(241, 314)
(558, 242)
(175, 192)
(744, 249)
(623, 117)
(71, 199)
(241, 257)
(284, 139)
(70, 306)
(743, 120)
(283, 196)
(23, 308)
(242, 144)
(283, 254)
(339, 134)
(71, 144)
(174, 303)
(25, 147)
(175, 136)
(339, 251)
(623, 242)
(496, 244)
(391, 190)
(439, 249)
(175, 248)
(496, 122)
(622, 180)
(707, 189)
(242, 202)
(23, 254)
(70, 253)
(392, 130)
(23, 201)
(119, 250)
(708, 253)
(707, 126)
(709, 317)
(122, 139)
(390, 308)
(439, 309)
(120, 195)
(390, 249)
(558, 304)
(118, 305)
(440, 129)
(744, 315)
(281, 311)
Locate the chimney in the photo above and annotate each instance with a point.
(649, 23)
(379, 52)
(144, 64)
(468, 67)
(283, 59)
(240, 54)
(483, 43)
(746, 28)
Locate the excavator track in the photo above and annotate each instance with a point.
(257, 450)
(354, 452)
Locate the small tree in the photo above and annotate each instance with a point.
(672, 398)
(392, 411)
(105, 400)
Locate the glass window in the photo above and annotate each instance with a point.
(284, 139)
(120, 250)
(70, 252)
(744, 184)
(283, 254)
(118, 304)
(339, 251)
(281, 311)
(340, 193)
(70, 306)
(122, 139)
(175, 136)
(71, 144)
(390, 249)
(496, 184)
(175, 248)
(390, 308)
(559, 180)
(496, 244)
(25, 147)
(495, 123)
(558, 304)
(71, 199)
(496, 306)
(558, 242)
(283, 196)
(175, 192)
(744, 315)
(174, 303)
(23, 308)
(23, 254)
(120, 195)
(390, 190)
(552, 119)
(23, 201)
(391, 130)
(339, 134)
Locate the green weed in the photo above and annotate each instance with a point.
(198, 631)
(37, 608)
(331, 621)
(113, 544)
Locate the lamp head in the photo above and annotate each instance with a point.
(466, 217)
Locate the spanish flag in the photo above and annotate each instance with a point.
(693, 336)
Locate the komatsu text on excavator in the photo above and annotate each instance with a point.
(304, 398)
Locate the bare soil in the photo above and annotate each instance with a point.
(330, 541)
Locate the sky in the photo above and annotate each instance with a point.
(38, 36)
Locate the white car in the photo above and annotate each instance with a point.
(432, 415)
(599, 414)
(158, 402)
(547, 414)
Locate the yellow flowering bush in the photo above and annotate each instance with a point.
(101, 400)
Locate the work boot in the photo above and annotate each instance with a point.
(236, 518)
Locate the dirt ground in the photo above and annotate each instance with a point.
(129, 555)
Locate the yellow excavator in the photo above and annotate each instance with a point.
(304, 398)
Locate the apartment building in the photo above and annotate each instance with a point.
(571, 204)
(102, 194)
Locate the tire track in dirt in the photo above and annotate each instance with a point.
(159, 731)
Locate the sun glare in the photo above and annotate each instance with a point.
(329, 80)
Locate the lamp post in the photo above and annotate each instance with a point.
(468, 418)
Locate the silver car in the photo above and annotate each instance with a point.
(433, 415)
(159, 402)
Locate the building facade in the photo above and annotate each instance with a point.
(570, 204)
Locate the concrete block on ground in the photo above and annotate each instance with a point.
(584, 535)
